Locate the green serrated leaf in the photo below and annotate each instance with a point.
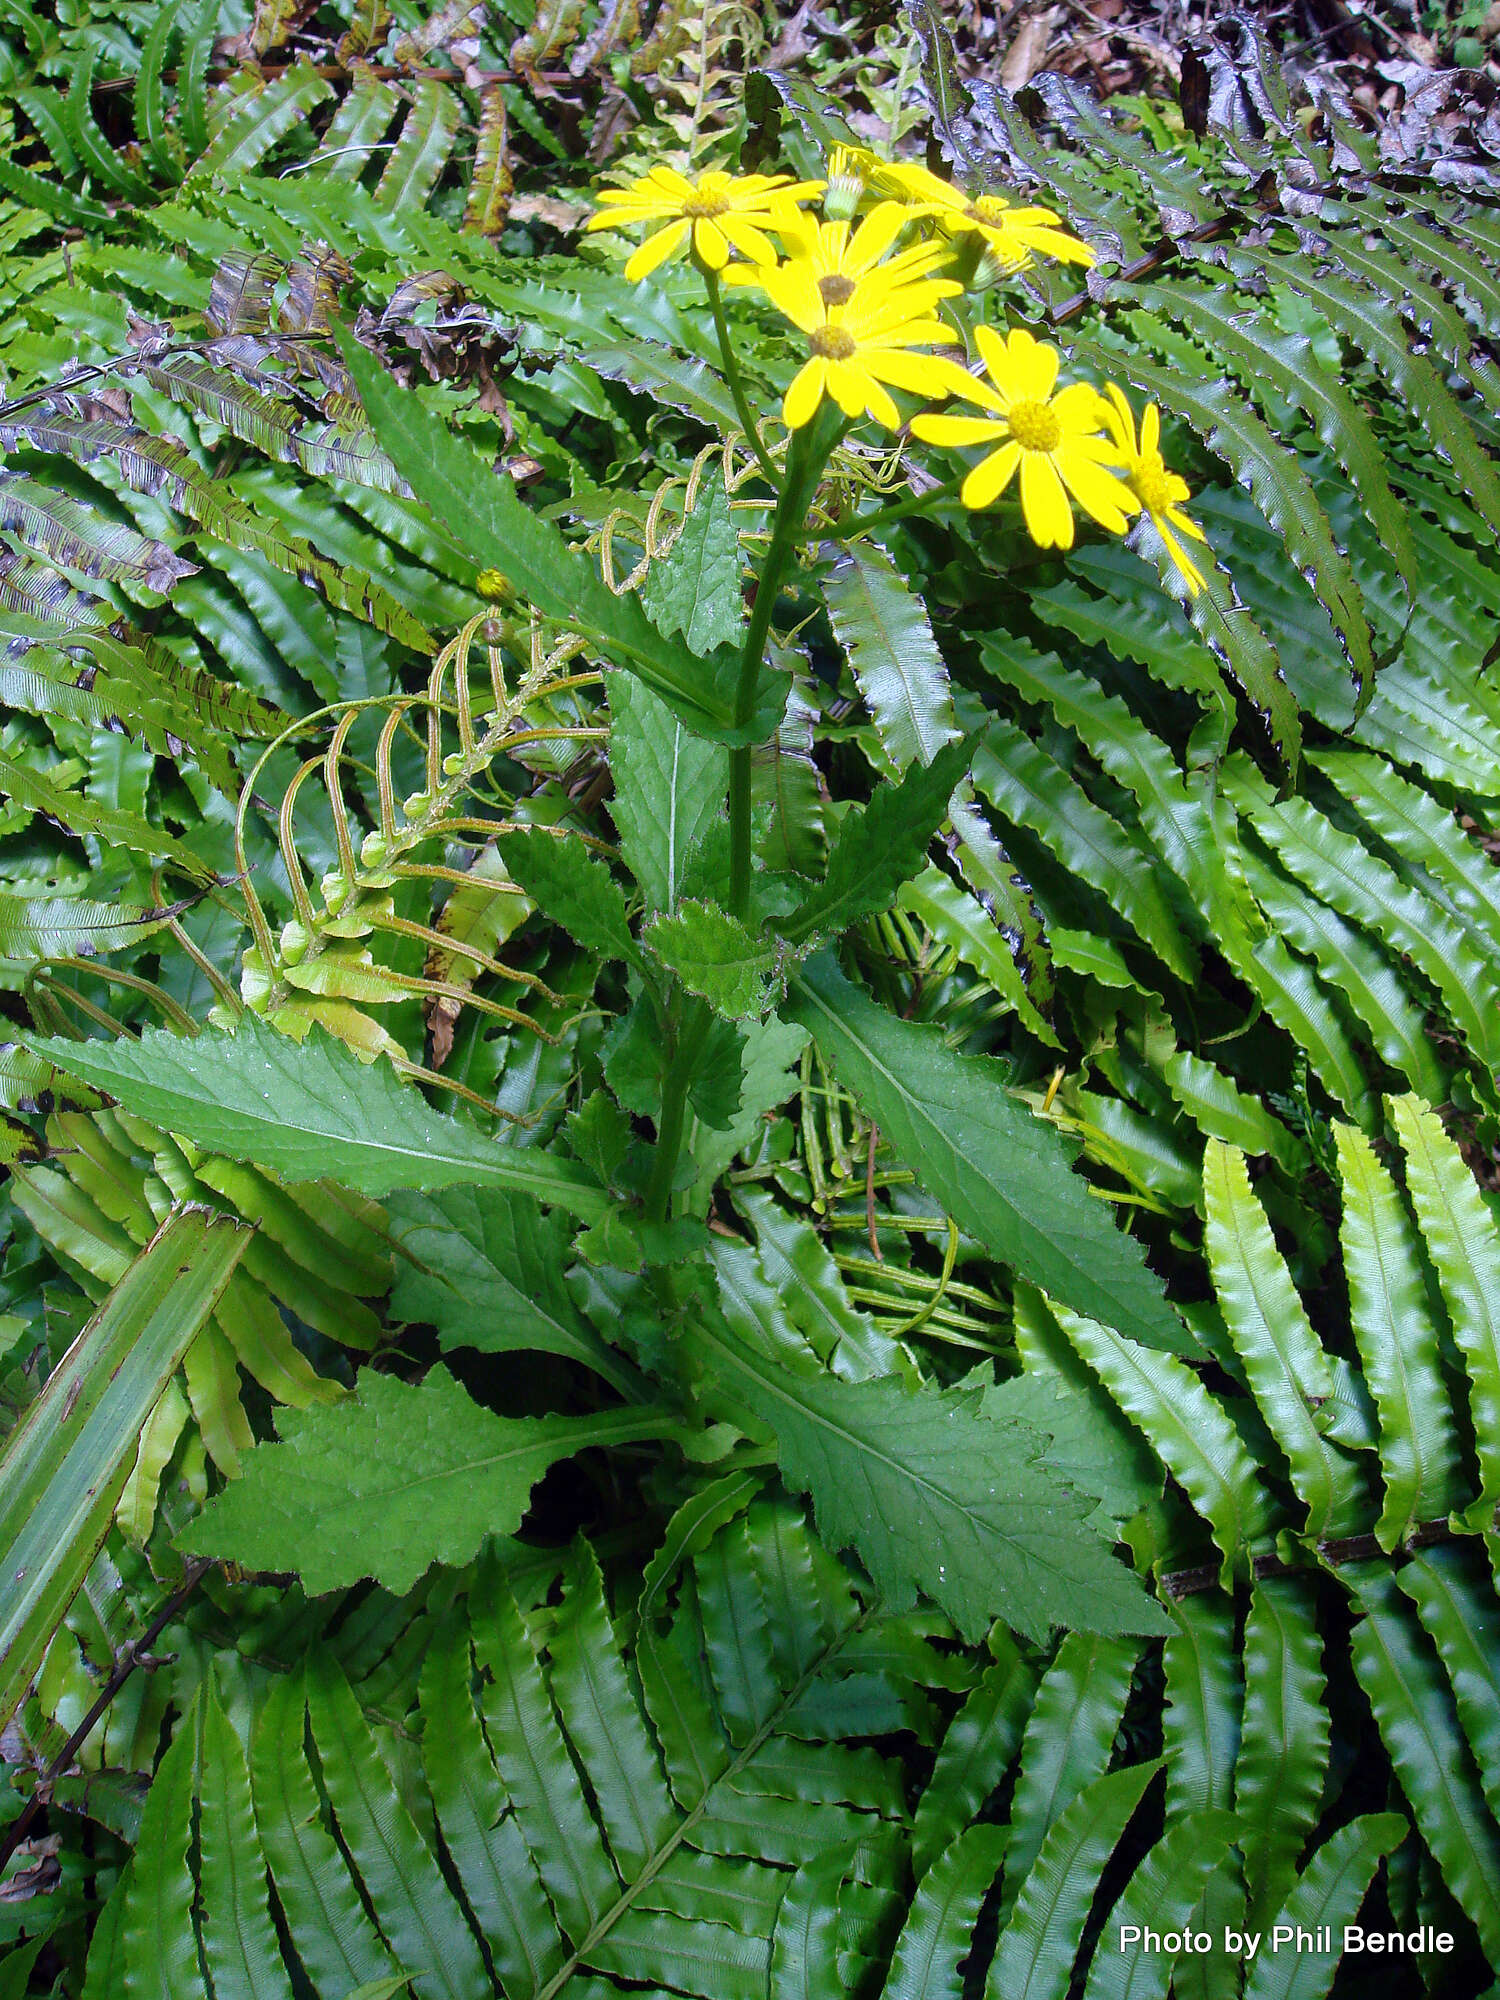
(311, 1111)
(486, 525)
(392, 1480)
(880, 848)
(932, 1494)
(573, 887)
(695, 589)
(715, 957)
(1001, 1174)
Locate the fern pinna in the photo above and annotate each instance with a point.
(314, 722)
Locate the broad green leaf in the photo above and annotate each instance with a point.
(1288, 1372)
(899, 670)
(1069, 1735)
(487, 525)
(1034, 1958)
(1002, 1175)
(696, 588)
(1397, 1667)
(1186, 1428)
(239, 1939)
(486, 1268)
(878, 849)
(939, 1931)
(1160, 1896)
(931, 1493)
(571, 886)
(1327, 1895)
(715, 957)
(1282, 1764)
(669, 787)
(391, 1481)
(1397, 1337)
(65, 1464)
(311, 1111)
(1464, 1245)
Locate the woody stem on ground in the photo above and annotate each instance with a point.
(736, 382)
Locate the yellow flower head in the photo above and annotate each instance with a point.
(1055, 439)
(1159, 492)
(1014, 235)
(861, 316)
(721, 212)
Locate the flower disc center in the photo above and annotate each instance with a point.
(1035, 426)
(1148, 481)
(987, 209)
(832, 343)
(836, 289)
(698, 207)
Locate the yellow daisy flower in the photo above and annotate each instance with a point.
(719, 211)
(1055, 440)
(861, 317)
(840, 251)
(1015, 235)
(1159, 492)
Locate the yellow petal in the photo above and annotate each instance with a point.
(1187, 569)
(1035, 364)
(1120, 418)
(1080, 409)
(1044, 502)
(918, 374)
(711, 244)
(656, 250)
(1098, 492)
(805, 394)
(957, 430)
(793, 290)
(1150, 429)
(748, 239)
(874, 237)
(990, 477)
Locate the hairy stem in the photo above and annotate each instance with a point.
(696, 1020)
(736, 382)
(804, 468)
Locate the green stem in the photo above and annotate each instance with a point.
(860, 524)
(736, 383)
(804, 468)
(697, 1018)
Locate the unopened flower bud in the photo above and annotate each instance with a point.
(495, 587)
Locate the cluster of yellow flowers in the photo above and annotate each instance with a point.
(867, 309)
